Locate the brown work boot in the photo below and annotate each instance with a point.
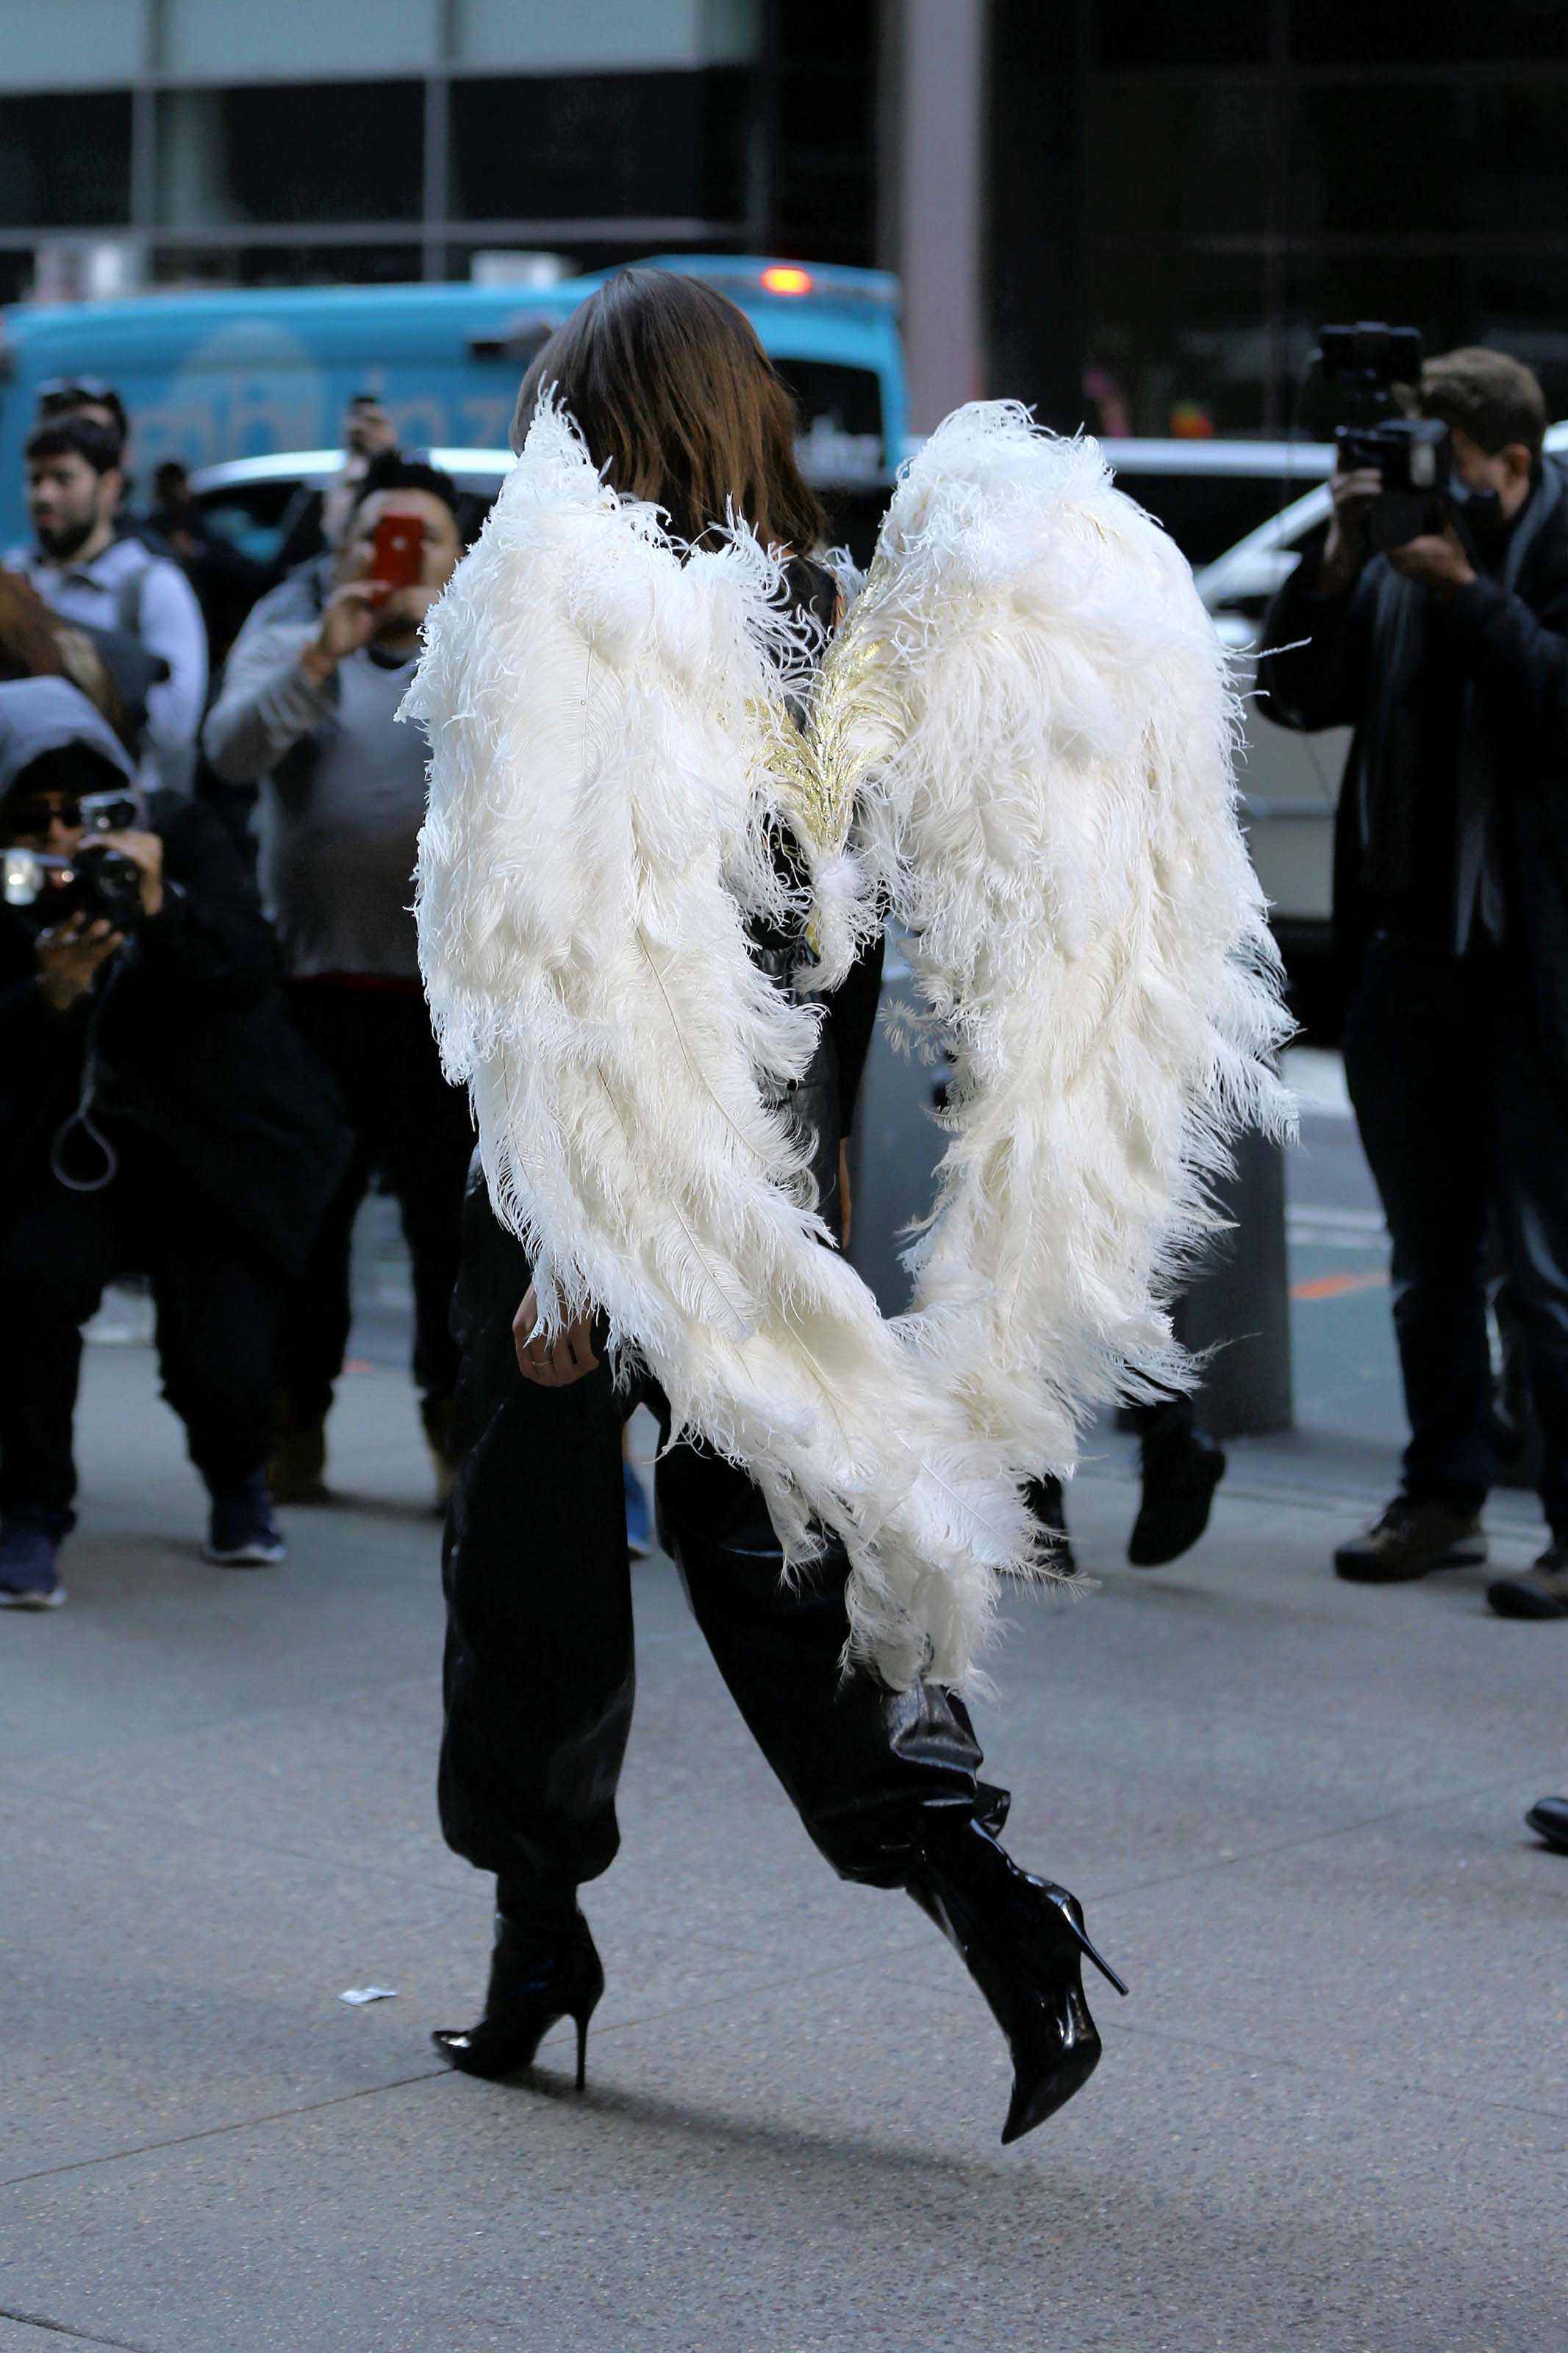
(297, 1470)
(1409, 1539)
(1540, 1592)
(437, 1415)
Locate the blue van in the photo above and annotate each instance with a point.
(213, 376)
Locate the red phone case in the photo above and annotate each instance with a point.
(397, 552)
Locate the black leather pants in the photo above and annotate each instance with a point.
(539, 1666)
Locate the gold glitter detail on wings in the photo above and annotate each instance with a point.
(818, 766)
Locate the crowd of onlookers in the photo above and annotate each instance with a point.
(212, 1029)
(212, 1036)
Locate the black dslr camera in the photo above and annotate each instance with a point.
(102, 884)
(1363, 370)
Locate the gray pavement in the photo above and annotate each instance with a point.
(1332, 2116)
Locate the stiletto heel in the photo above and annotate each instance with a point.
(537, 1979)
(1071, 1911)
(1023, 1942)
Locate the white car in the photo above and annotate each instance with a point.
(247, 500)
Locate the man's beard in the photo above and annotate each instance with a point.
(61, 543)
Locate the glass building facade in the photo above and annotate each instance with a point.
(1221, 182)
(1175, 199)
(327, 139)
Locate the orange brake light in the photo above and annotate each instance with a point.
(783, 278)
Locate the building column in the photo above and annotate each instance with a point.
(932, 223)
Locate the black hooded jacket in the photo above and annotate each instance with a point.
(194, 1050)
(1501, 685)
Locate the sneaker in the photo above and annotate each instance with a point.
(1540, 1592)
(639, 1529)
(1182, 1467)
(243, 1532)
(1411, 1539)
(1548, 1818)
(28, 1545)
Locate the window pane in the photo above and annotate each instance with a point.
(821, 171)
(1178, 158)
(1177, 342)
(316, 152)
(1516, 304)
(1152, 33)
(285, 265)
(221, 40)
(1360, 32)
(1455, 157)
(65, 162)
(603, 147)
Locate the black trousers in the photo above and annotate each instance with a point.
(217, 1298)
(539, 1666)
(416, 1129)
(1462, 1121)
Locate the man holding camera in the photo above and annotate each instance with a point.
(308, 708)
(1446, 648)
(157, 1115)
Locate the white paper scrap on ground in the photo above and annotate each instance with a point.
(357, 1994)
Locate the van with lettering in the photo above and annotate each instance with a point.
(212, 377)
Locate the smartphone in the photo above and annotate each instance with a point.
(397, 552)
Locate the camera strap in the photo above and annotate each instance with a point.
(81, 1120)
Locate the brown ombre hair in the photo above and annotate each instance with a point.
(676, 399)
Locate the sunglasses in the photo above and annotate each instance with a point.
(25, 816)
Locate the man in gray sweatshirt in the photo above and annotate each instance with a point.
(308, 709)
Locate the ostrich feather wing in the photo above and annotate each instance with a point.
(604, 714)
(1033, 710)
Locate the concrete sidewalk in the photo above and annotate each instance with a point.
(1332, 2114)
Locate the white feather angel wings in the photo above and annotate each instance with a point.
(1019, 742)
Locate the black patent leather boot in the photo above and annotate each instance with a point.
(1023, 1941)
(541, 1971)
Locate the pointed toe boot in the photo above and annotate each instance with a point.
(1023, 1942)
(538, 1976)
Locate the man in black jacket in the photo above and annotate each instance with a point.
(1449, 656)
(158, 1114)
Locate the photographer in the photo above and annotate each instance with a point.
(1447, 654)
(88, 573)
(309, 706)
(157, 1115)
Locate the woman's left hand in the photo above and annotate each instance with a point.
(551, 1364)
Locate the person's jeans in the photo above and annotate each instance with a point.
(1461, 1119)
(416, 1129)
(217, 1297)
(538, 1667)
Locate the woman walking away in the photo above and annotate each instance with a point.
(676, 789)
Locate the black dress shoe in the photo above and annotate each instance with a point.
(1044, 1497)
(1182, 1467)
(1548, 1818)
(1540, 1592)
(1410, 1540)
(1023, 1943)
(538, 1976)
